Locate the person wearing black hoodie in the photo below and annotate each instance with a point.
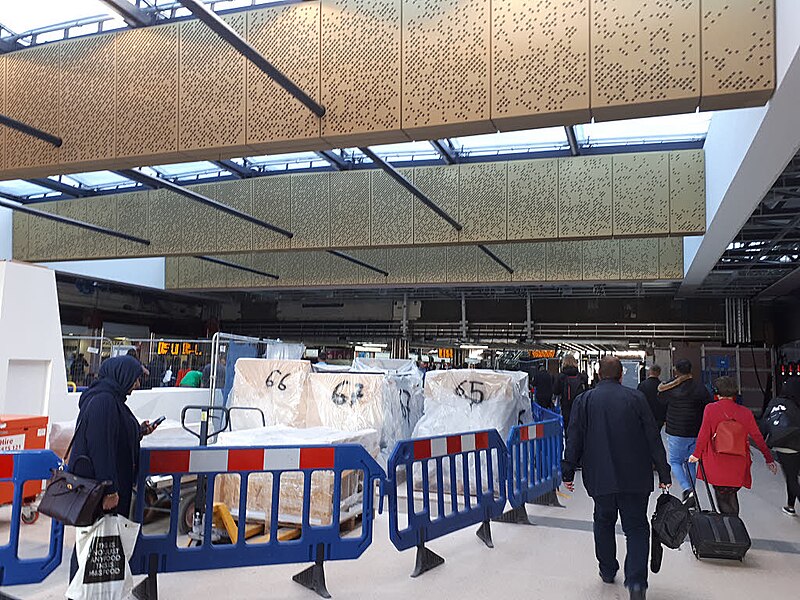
(107, 435)
(569, 385)
(685, 400)
(781, 427)
(543, 388)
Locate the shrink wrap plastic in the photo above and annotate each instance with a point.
(290, 507)
(275, 386)
(345, 401)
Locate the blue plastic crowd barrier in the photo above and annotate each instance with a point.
(469, 473)
(17, 468)
(161, 553)
(534, 469)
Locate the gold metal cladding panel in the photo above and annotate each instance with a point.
(272, 202)
(401, 264)
(33, 99)
(530, 261)
(288, 267)
(70, 238)
(44, 243)
(377, 257)
(482, 205)
(169, 214)
(738, 61)
(431, 264)
(540, 63)
(670, 258)
(172, 272)
(133, 217)
(641, 194)
(564, 261)
(645, 57)
(217, 276)
(98, 211)
(146, 91)
(206, 222)
(639, 258)
(600, 260)
(87, 99)
(317, 268)
(440, 184)
(462, 266)
(350, 208)
(289, 37)
(392, 211)
(212, 89)
(687, 192)
(266, 262)
(489, 269)
(20, 236)
(311, 210)
(446, 67)
(361, 70)
(232, 232)
(585, 196)
(532, 199)
(344, 272)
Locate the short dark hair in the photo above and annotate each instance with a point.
(726, 387)
(610, 368)
(655, 369)
(322, 355)
(683, 366)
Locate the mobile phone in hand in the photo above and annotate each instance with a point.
(158, 421)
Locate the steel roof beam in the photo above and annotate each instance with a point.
(225, 263)
(446, 150)
(159, 182)
(495, 258)
(243, 47)
(74, 222)
(336, 161)
(572, 139)
(61, 187)
(130, 13)
(358, 262)
(31, 130)
(241, 171)
(399, 178)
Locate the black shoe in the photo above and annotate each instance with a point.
(607, 579)
(638, 593)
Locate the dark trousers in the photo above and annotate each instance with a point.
(727, 499)
(632, 510)
(790, 464)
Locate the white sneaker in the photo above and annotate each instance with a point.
(788, 510)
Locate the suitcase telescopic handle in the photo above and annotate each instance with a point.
(705, 480)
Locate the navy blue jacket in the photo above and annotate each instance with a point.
(107, 433)
(613, 436)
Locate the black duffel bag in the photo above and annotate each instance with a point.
(73, 500)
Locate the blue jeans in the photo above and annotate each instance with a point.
(680, 449)
(632, 510)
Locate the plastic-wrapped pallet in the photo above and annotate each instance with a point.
(403, 398)
(290, 504)
(463, 400)
(275, 386)
(345, 401)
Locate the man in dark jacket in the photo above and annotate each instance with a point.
(685, 400)
(781, 428)
(543, 388)
(613, 435)
(649, 387)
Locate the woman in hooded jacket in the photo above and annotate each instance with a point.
(781, 426)
(107, 435)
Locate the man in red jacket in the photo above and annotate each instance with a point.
(728, 472)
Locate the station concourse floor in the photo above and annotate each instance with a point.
(554, 559)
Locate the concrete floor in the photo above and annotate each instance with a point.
(553, 560)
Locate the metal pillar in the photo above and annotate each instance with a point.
(31, 130)
(74, 222)
(130, 13)
(446, 151)
(225, 263)
(528, 319)
(243, 47)
(464, 331)
(358, 262)
(572, 139)
(336, 161)
(398, 177)
(160, 182)
(404, 322)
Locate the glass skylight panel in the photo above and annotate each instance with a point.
(21, 16)
(188, 169)
(288, 162)
(673, 128)
(530, 140)
(99, 179)
(405, 151)
(22, 188)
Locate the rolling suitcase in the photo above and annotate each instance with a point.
(714, 535)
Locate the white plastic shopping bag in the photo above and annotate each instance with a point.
(103, 553)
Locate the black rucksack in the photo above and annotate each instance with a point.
(573, 386)
(670, 526)
(780, 426)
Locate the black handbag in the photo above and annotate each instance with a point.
(73, 500)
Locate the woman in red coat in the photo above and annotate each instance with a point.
(728, 473)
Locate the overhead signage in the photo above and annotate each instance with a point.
(178, 349)
(446, 353)
(542, 353)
